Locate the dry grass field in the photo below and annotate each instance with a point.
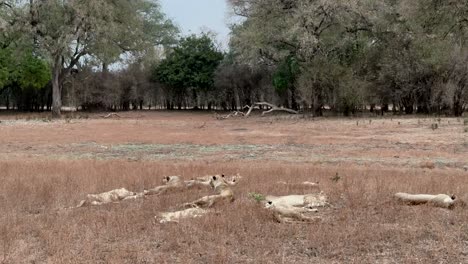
(46, 166)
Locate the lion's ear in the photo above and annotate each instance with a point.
(214, 178)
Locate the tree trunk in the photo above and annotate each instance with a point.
(384, 108)
(56, 91)
(233, 104)
(457, 103)
(8, 101)
(294, 104)
(457, 109)
(168, 104)
(318, 111)
(409, 109)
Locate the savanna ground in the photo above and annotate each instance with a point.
(48, 165)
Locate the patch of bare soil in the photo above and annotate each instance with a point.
(168, 136)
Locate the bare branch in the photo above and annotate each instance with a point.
(3, 3)
(273, 108)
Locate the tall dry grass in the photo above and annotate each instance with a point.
(364, 225)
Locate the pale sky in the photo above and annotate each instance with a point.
(195, 16)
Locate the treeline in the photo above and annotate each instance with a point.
(343, 56)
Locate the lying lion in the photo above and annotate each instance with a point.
(223, 192)
(178, 215)
(439, 200)
(306, 183)
(205, 180)
(170, 183)
(109, 197)
(309, 201)
(289, 214)
(293, 208)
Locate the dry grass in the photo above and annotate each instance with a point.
(364, 226)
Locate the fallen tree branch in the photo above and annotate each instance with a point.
(202, 126)
(111, 115)
(233, 114)
(250, 110)
(273, 108)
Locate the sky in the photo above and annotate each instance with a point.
(195, 16)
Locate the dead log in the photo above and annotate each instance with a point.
(233, 114)
(111, 115)
(273, 108)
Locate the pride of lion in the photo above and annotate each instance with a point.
(285, 209)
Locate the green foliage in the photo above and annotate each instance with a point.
(32, 72)
(286, 73)
(23, 68)
(5, 67)
(190, 65)
(128, 26)
(258, 197)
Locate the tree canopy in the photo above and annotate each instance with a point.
(66, 31)
(355, 52)
(191, 65)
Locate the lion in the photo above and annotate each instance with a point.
(200, 181)
(178, 215)
(306, 183)
(292, 208)
(223, 193)
(205, 180)
(232, 180)
(170, 183)
(309, 201)
(109, 197)
(289, 214)
(439, 200)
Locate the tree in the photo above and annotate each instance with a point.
(191, 65)
(299, 37)
(66, 31)
(351, 53)
(284, 79)
(241, 84)
(22, 74)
